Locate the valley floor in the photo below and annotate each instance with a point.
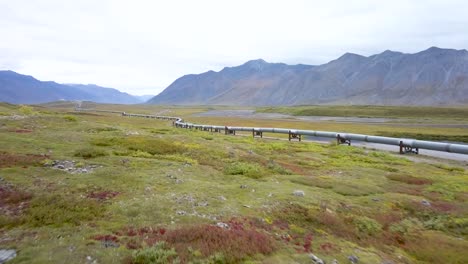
(101, 188)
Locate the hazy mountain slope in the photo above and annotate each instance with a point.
(221, 87)
(144, 98)
(17, 88)
(431, 77)
(107, 95)
(23, 89)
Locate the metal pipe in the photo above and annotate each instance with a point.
(402, 142)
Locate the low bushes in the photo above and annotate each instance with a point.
(141, 144)
(250, 170)
(89, 153)
(197, 244)
(409, 179)
(57, 210)
(160, 253)
(153, 146)
(12, 160)
(70, 118)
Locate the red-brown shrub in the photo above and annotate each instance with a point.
(12, 160)
(236, 243)
(409, 179)
(102, 195)
(13, 201)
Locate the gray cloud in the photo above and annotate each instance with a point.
(137, 45)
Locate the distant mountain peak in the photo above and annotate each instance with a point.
(257, 64)
(387, 54)
(350, 56)
(257, 61)
(434, 48)
(391, 52)
(437, 50)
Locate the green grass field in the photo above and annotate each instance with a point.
(142, 191)
(416, 112)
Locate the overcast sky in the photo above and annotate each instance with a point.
(142, 46)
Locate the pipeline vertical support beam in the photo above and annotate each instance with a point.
(294, 135)
(257, 133)
(407, 149)
(340, 140)
(228, 131)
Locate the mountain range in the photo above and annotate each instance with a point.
(23, 89)
(431, 77)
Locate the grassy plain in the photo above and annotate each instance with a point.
(424, 123)
(167, 195)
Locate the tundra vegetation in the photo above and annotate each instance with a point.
(157, 194)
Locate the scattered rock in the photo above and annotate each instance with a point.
(70, 166)
(222, 225)
(270, 195)
(353, 259)
(7, 254)
(181, 212)
(202, 204)
(243, 186)
(316, 259)
(334, 261)
(132, 133)
(222, 198)
(13, 117)
(375, 199)
(170, 176)
(90, 260)
(299, 193)
(179, 181)
(425, 203)
(247, 206)
(110, 244)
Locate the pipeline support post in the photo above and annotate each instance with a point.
(340, 140)
(228, 131)
(257, 133)
(407, 149)
(294, 136)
